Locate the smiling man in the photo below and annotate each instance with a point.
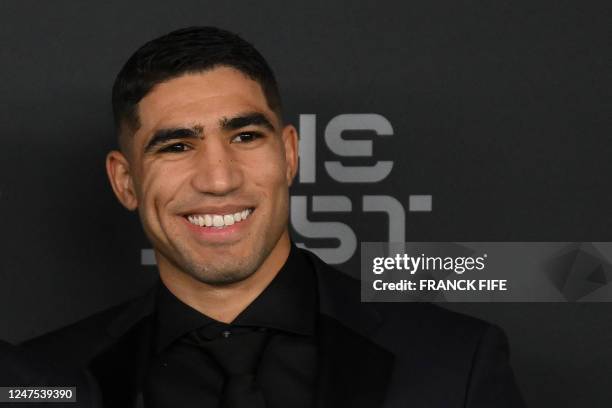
(208, 168)
(241, 317)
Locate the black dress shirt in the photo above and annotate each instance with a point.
(182, 375)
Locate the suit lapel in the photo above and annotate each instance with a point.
(354, 371)
(120, 368)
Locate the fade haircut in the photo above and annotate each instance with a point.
(185, 51)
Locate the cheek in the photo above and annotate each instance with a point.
(159, 186)
(269, 177)
(271, 182)
(268, 169)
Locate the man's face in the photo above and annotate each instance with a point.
(209, 151)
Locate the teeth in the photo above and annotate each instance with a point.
(217, 220)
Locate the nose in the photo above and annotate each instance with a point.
(217, 170)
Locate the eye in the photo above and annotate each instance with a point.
(246, 137)
(174, 148)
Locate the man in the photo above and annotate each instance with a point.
(241, 317)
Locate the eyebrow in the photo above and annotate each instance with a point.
(196, 132)
(246, 119)
(165, 135)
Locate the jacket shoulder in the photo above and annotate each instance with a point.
(399, 319)
(433, 347)
(76, 343)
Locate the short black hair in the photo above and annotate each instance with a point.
(180, 52)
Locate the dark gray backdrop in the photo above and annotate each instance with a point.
(500, 112)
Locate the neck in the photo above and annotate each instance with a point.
(224, 302)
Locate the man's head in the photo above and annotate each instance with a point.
(202, 141)
(188, 50)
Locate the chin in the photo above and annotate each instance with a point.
(222, 273)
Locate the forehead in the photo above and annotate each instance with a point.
(201, 98)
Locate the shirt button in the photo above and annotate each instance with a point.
(226, 333)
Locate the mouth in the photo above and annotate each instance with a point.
(219, 221)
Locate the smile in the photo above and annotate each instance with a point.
(219, 220)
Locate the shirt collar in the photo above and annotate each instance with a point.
(288, 304)
(175, 319)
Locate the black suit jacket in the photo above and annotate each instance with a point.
(19, 368)
(371, 355)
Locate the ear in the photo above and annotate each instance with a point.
(290, 141)
(118, 171)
